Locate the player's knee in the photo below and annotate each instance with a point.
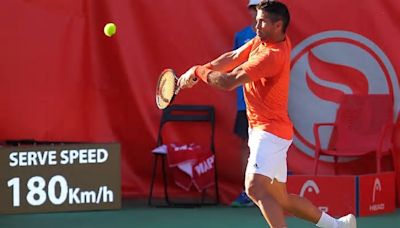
(254, 190)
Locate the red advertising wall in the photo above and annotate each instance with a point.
(333, 55)
(361, 195)
(321, 189)
(61, 79)
(376, 194)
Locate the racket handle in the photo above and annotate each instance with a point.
(177, 90)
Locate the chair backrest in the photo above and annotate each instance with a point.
(188, 113)
(360, 122)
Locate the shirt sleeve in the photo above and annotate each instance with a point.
(264, 64)
(245, 49)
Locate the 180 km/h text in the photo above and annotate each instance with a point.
(57, 192)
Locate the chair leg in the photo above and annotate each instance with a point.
(335, 158)
(153, 176)
(164, 170)
(203, 196)
(216, 190)
(316, 160)
(378, 163)
(216, 180)
(395, 165)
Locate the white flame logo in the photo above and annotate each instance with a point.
(310, 186)
(372, 74)
(377, 187)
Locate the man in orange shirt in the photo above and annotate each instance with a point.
(262, 66)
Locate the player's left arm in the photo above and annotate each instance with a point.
(221, 80)
(266, 64)
(223, 66)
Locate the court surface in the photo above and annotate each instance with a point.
(133, 216)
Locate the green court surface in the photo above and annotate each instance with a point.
(150, 217)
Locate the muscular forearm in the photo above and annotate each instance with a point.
(226, 62)
(221, 80)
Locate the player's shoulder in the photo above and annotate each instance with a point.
(282, 48)
(271, 52)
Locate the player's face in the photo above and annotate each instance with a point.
(265, 28)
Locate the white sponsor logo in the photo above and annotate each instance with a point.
(376, 188)
(205, 166)
(311, 186)
(326, 65)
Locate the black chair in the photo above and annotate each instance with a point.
(184, 113)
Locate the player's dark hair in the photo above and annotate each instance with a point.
(276, 11)
(252, 7)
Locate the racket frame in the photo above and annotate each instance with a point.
(158, 90)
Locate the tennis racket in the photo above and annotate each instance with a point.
(167, 88)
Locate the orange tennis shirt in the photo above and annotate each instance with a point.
(266, 96)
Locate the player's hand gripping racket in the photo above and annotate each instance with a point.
(167, 88)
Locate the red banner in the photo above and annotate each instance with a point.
(376, 194)
(333, 56)
(62, 79)
(325, 193)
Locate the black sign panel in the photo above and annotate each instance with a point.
(66, 177)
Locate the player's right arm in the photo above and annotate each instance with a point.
(224, 64)
(230, 60)
(262, 65)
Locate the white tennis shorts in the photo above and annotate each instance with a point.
(267, 155)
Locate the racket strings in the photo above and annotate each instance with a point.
(163, 91)
(166, 89)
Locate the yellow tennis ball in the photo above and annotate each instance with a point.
(110, 29)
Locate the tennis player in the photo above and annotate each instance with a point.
(262, 66)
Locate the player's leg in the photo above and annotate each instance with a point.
(296, 205)
(267, 159)
(300, 206)
(266, 176)
(269, 207)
